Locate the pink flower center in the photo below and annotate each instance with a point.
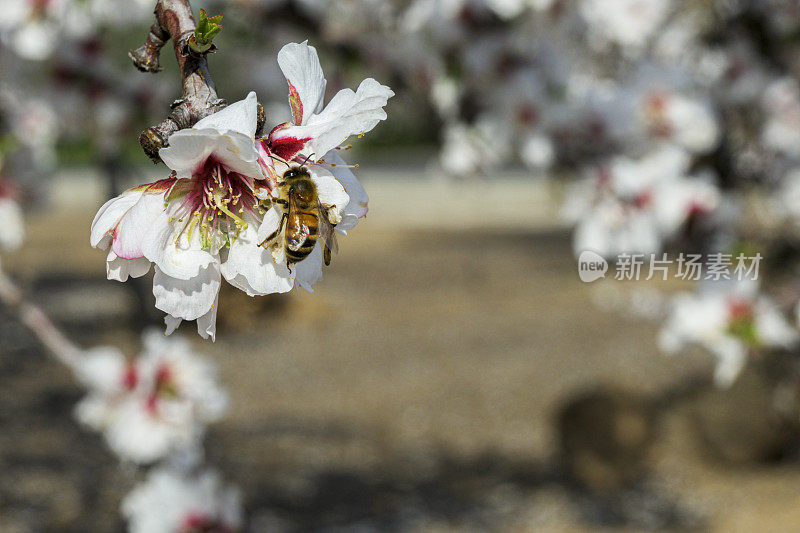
(131, 377)
(164, 386)
(215, 201)
(528, 114)
(285, 148)
(642, 200)
(740, 310)
(200, 523)
(655, 110)
(7, 190)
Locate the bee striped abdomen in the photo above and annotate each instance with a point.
(309, 223)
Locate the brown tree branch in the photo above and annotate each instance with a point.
(38, 323)
(174, 21)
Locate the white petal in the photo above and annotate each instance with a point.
(309, 270)
(93, 411)
(134, 225)
(187, 299)
(358, 206)
(251, 268)
(172, 324)
(269, 223)
(300, 65)
(182, 260)
(189, 149)
(134, 434)
(119, 269)
(109, 215)
(207, 324)
(348, 113)
(241, 117)
(101, 369)
(13, 227)
(35, 40)
(329, 189)
(731, 358)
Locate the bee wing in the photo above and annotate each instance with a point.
(327, 236)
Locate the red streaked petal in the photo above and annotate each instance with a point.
(296, 104)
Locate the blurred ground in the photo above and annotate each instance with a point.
(416, 389)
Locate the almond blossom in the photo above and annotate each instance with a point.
(169, 501)
(688, 122)
(30, 27)
(209, 218)
(628, 23)
(152, 405)
(199, 224)
(633, 206)
(728, 319)
(311, 139)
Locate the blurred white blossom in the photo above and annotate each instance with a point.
(728, 319)
(170, 501)
(153, 405)
(634, 206)
(628, 23)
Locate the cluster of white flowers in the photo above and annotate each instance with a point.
(211, 217)
(628, 205)
(153, 410)
(153, 405)
(35, 28)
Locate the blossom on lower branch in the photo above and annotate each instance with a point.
(169, 501)
(210, 218)
(153, 405)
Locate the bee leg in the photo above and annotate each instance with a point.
(276, 232)
(332, 215)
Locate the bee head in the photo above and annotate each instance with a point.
(295, 172)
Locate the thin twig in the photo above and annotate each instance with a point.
(39, 323)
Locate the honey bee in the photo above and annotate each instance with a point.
(305, 220)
